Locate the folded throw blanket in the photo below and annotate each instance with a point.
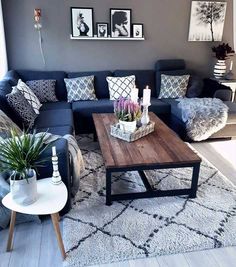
(77, 165)
(203, 116)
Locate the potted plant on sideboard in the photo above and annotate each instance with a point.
(222, 52)
(19, 156)
(128, 113)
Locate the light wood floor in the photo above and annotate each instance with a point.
(35, 244)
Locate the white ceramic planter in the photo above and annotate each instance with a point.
(24, 192)
(220, 69)
(128, 126)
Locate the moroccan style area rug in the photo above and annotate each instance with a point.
(95, 233)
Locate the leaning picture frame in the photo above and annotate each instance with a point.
(102, 29)
(137, 30)
(120, 22)
(82, 22)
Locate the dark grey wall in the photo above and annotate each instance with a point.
(166, 25)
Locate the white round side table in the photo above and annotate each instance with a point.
(51, 200)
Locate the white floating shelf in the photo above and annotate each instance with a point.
(107, 38)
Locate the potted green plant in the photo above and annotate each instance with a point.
(19, 156)
(222, 52)
(127, 112)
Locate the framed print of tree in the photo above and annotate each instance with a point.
(207, 21)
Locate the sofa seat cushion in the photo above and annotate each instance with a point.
(159, 107)
(142, 79)
(83, 111)
(174, 107)
(100, 83)
(231, 112)
(55, 106)
(29, 75)
(50, 118)
(59, 130)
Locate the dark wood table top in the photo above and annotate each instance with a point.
(162, 147)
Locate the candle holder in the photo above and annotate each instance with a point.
(145, 117)
(56, 177)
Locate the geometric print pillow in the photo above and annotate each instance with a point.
(120, 86)
(6, 125)
(22, 107)
(44, 90)
(29, 95)
(173, 86)
(80, 88)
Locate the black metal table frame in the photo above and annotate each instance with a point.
(150, 192)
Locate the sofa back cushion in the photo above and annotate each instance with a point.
(143, 78)
(100, 83)
(59, 76)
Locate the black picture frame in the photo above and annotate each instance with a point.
(87, 15)
(106, 33)
(117, 16)
(140, 27)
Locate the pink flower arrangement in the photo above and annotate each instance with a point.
(127, 110)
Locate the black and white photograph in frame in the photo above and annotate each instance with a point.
(102, 30)
(120, 22)
(207, 21)
(82, 21)
(137, 30)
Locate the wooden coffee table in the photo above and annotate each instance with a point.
(162, 149)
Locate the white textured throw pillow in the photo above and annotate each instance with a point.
(120, 86)
(81, 88)
(29, 95)
(173, 86)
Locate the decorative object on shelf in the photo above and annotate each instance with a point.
(102, 29)
(142, 131)
(56, 177)
(19, 155)
(120, 22)
(229, 75)
(38, 27)
(222, 52)
(82, 21)
(207, 21)
(128, 113)
(137, 30)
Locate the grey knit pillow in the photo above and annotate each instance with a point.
(21, 106)
(45, 90)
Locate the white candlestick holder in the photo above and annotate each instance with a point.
(145, 117)
(56, 177)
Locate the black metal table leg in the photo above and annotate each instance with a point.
(108, 188)
(194, 185)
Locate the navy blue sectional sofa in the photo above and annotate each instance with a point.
(65, 118)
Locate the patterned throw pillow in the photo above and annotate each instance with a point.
(6, 125)
(21, 106)
(45, 90)
(81, 88)
(29, 95)
(173, 86)
(120, 86)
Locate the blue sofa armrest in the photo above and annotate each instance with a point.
(224, 94)
(12, 77)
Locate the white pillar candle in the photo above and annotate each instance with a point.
(146, 96)
(54, 152)
(134, 95)
(231, 65)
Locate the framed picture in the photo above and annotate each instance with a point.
(207, 21)
(102, 29)
(120, 22)
(82, 21)
(137, 30)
